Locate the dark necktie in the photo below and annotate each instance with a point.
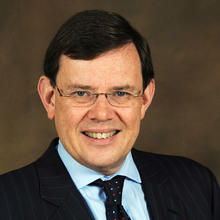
(113, 191)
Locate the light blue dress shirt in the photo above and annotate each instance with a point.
(133, 199)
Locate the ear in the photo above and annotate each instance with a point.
(147, 98)
(47, 95)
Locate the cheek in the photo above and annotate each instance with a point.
(68, 117)
(131, 117)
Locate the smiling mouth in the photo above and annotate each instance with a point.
(100, 135)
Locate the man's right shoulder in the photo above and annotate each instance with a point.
(20, 186)
(18, 175)
(18, 182)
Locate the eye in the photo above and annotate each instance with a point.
(121, 94)
(80, 93)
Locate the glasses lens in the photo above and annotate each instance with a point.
(117, 100)
(83, 98)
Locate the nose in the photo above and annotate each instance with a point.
(101, 110)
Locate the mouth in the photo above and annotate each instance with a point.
(100, 135)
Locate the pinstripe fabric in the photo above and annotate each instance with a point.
(175, 188)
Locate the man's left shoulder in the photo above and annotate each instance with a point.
(177, 168)
(179, 181)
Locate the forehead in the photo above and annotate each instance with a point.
(117, 67)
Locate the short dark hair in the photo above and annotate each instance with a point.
(90, 33)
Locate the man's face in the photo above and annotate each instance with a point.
(78, 127)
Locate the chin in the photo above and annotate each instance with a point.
(106, 166)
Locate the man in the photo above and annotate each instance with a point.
(97, 86)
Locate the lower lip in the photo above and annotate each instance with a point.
(101, 141)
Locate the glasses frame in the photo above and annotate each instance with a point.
(106, 94)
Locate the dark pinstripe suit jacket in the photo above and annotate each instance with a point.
(175, 189)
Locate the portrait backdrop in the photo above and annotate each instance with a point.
(184, 36)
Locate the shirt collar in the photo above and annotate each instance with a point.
(83, 176)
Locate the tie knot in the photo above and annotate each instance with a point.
(112, 188)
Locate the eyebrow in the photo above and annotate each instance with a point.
(78, 86)
(125, 87)
(87, 87)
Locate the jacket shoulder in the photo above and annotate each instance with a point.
(19, 181)
(19, 175)
(188, 182)
(182, 172)
(168, 162)
(19, 193)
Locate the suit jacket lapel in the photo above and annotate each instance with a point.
(162, 203)
(62, 199)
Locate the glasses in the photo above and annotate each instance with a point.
(83, 98)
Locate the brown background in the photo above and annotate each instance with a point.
(184, 36)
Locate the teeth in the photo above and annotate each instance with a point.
(100, 135)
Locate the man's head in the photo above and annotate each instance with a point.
(88, 34)
(97, 52)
